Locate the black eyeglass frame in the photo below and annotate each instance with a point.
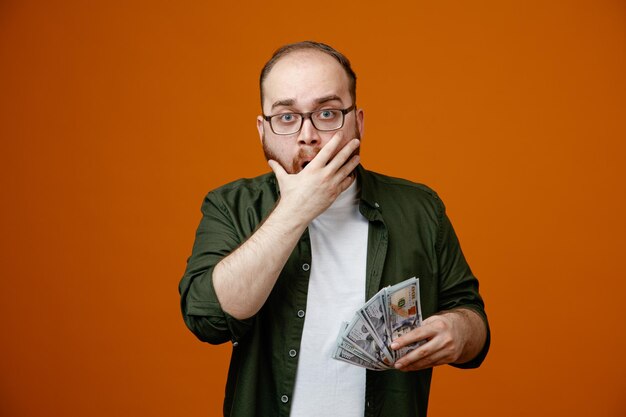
(307, 115)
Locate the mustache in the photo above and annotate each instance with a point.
(304, 156)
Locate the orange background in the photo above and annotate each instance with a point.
(117, 119)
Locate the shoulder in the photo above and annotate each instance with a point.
(245, 192)
(399, 184)
(376, 186)
(262, 183)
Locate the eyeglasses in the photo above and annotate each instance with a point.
(323, 120)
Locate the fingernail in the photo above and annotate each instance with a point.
(398, 365)
(395, 345)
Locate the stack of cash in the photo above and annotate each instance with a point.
(391, 313)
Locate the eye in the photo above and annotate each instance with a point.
(286, 118)
(327, 114)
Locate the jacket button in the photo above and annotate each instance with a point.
(300, 313)
(306, 267)
(284, 399)
(293, 353)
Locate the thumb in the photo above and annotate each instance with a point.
(279, 171)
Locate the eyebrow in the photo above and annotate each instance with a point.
(287, 102)
(331, 97)
(321, 100)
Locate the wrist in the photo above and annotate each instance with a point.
(291, 215)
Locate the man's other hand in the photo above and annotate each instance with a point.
(454, 336)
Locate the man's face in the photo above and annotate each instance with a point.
(301, 82)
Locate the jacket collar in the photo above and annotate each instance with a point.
(369, 207)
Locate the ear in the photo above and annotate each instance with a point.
(260, 127)
(360, 121)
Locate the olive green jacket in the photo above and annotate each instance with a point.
(409, 235)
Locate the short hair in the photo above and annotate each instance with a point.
(322, 47)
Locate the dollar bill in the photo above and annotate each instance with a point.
(374, 312)
(361, 336)
(348, 353)
(405, 312)
(391, 313)
(347, 345)
(344, 355)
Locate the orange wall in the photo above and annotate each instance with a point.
(116, 120)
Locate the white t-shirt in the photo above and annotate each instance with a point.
(325, 386)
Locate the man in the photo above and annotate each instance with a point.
(281, 260)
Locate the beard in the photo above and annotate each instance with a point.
(299, 161)
(305, 154)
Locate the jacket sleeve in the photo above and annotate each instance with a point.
(216, 237)
(458, 285)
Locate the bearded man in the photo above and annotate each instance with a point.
(280, 260)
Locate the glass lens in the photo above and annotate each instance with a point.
(286, 123)
(323, 120)
(329, 119)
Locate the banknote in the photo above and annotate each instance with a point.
(389, 314)
(348, 353)
(361, 336)
(374, 313)
(344, 355)
(346, 344)
(405, 312)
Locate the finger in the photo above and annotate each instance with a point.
(415, 335)
(426, 354)
(437, 351)
(278, 169)
(327, 152)
(344, 154)
(411, 358)
(435, 359)
(349, 167)
(345, 183)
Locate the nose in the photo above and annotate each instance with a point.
(308, 134)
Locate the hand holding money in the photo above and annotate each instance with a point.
(391, 313)
(447, 337)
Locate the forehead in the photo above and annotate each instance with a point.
(304, 76)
